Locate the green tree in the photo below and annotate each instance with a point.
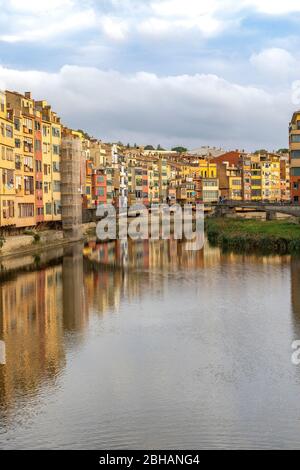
(179, 149)
(283, 150)
(159, 147)
(262, 151)
(149, 147)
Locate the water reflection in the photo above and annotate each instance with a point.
(48, 315)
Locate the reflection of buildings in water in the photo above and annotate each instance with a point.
(31, 328)
(2, 353)
(295, 294)
(75, 313)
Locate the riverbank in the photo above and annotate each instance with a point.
(276, 236)
(36, 242)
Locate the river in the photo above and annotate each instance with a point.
(148, 345)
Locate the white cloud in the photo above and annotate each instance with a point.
(188, 109)
(73, 23)
(273, 7)
(40, 6)
(114, 28)
(276, 63)
(36, 20)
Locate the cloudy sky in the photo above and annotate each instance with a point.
(169, 72)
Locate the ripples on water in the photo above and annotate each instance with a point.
(147, 345)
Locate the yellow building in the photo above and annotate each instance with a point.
(22, 107)
(7, 165)
(270, 177)
(51, 135)
(256, 178)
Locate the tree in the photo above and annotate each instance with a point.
(262, 151)
(179, 149)
(283, 151)
(85, 134)
(159, 147)
(149, 147)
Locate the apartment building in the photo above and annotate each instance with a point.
(270, 173)
(294, 144)
(51, 146)
(7, 165)
(99, 187)
(285, 178)
(256, 179)
(24, 115)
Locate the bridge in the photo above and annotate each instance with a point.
(271, 209)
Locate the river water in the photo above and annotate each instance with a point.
(148, 345)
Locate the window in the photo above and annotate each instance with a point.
(210, 183)
(17, 124)
(18, 143)
(2, 129)
(26, 210)
(46, 188)
(18, 162)
(28, 164)
(56, 168)
(100, 179)
(48, 207)
(45, 131)
(18, 184)
(295, 171)
(88, 190)
(47, 170)
(37, 125)
(28, 185)
(9, 154)
(55, 132)
(38, 166)
(100, 192)
(56, 186)
(28, 145)
(8, 209)
(9, 131)
(28, 125)
(57, 207)
(295, 154)
(40, 211)
(2, 103)
(8, 178)
(38, 145)
(56, 149)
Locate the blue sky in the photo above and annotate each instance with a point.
(217, 72)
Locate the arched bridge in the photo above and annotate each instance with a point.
(271, 209)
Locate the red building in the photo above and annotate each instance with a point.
(99, 187)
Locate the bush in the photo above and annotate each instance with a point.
(2, 241)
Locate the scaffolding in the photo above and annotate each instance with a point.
(71, 158)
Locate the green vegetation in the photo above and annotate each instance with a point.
(260, 151)
(276, 236)
(2, 241)
(179, 149)
(32, 233)
(85, 134)
(149, 147)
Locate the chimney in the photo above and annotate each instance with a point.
(28, 95)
